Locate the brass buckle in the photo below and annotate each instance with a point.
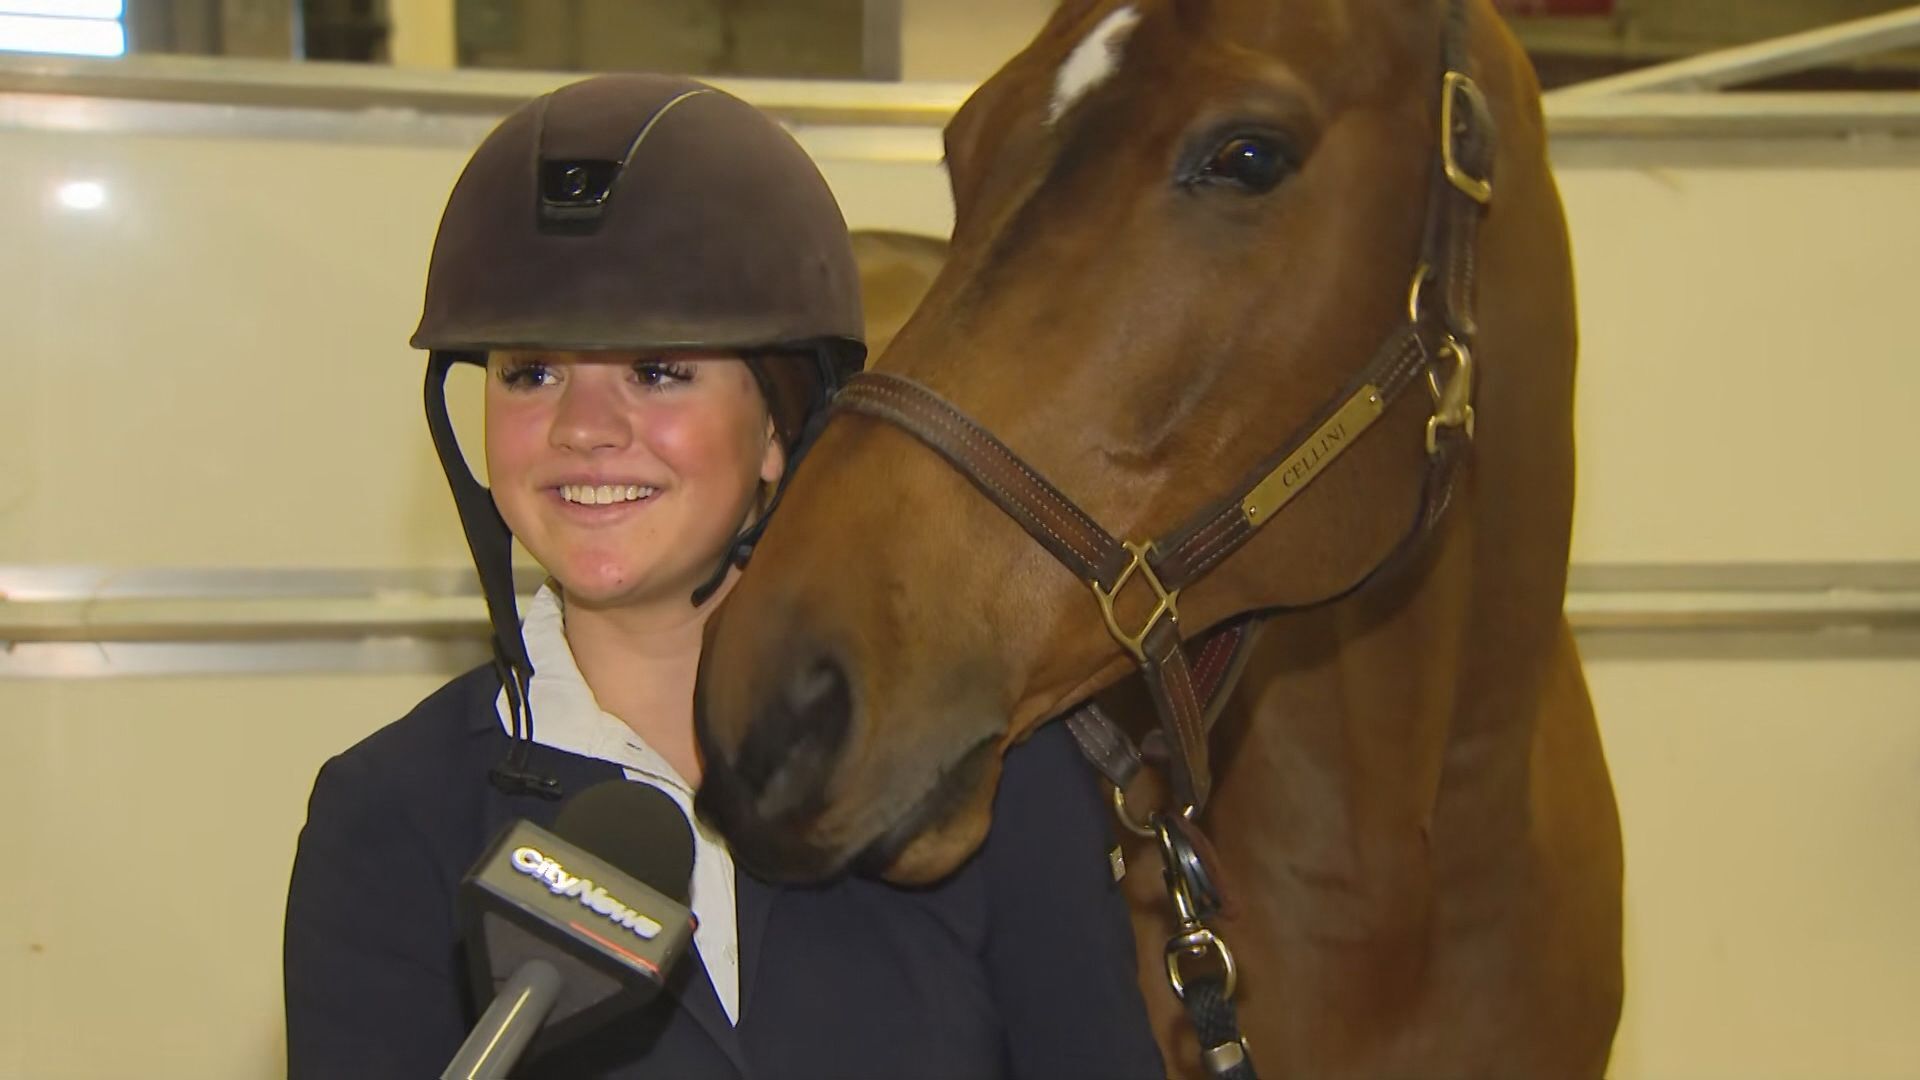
(1478, 189)
(1452, 403)
(1135, 644)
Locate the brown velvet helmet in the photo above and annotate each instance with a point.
(634, 213)
(648, 212)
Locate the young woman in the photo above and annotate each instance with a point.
(662, 291)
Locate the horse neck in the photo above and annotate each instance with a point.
(1399, 742)
(1387, 739)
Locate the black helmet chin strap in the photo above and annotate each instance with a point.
(742, 547)
(492, 545)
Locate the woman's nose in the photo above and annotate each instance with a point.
(590, 417)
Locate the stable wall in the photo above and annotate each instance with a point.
(210, 371)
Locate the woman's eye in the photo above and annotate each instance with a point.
(526, 375)
(662, 373)
(1254, 163)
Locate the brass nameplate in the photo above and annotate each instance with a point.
(1319, 451)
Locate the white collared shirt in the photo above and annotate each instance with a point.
(567, 717)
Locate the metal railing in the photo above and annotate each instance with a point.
(1765, 59)
(65, 622)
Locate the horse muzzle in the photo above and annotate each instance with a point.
(798, 783)
(766, 789)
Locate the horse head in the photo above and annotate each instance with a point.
(1182, 229)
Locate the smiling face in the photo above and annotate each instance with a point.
(626, 476)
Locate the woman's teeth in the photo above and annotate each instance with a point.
(605, 494)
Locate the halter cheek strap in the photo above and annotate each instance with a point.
(741, 550)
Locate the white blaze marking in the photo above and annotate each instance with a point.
(1092, 62)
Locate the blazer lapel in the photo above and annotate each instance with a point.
(752, 905)
(697, 998)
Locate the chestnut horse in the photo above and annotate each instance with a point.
(1182, 228)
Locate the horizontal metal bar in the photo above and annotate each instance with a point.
(362, 87)
(1780, 578)
(73, 584)
(120, 659)
(1824, 117)
(1764, 59)
(1743, 115)
(67, 583)
(366, 104)
(257, 621)
(418, 617)
(277, 619)
(446, 657)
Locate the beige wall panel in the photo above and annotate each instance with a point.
(1772, 820)
(212, 368)
(141, 919)
(950, 41)
(1748, 368)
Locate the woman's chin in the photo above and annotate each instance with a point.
(621, 587)
(595, 586)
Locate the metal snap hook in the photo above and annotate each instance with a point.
(1452, 402)
(1197, 943)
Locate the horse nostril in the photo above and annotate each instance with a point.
(819, 687)
(790, 750)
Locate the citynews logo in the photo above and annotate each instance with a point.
(550, 873)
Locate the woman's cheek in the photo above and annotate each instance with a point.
(680, 438)
(513, 437)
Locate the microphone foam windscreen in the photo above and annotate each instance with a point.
(636, 827)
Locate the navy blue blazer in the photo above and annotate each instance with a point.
(1020, 965)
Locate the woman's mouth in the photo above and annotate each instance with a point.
(606, 494)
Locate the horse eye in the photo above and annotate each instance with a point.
(1255, 163)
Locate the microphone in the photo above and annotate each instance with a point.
(569, 929)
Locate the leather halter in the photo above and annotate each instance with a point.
(1435, 341)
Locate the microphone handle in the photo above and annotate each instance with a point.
(510, 1023)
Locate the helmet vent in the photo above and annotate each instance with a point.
(573, 194)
